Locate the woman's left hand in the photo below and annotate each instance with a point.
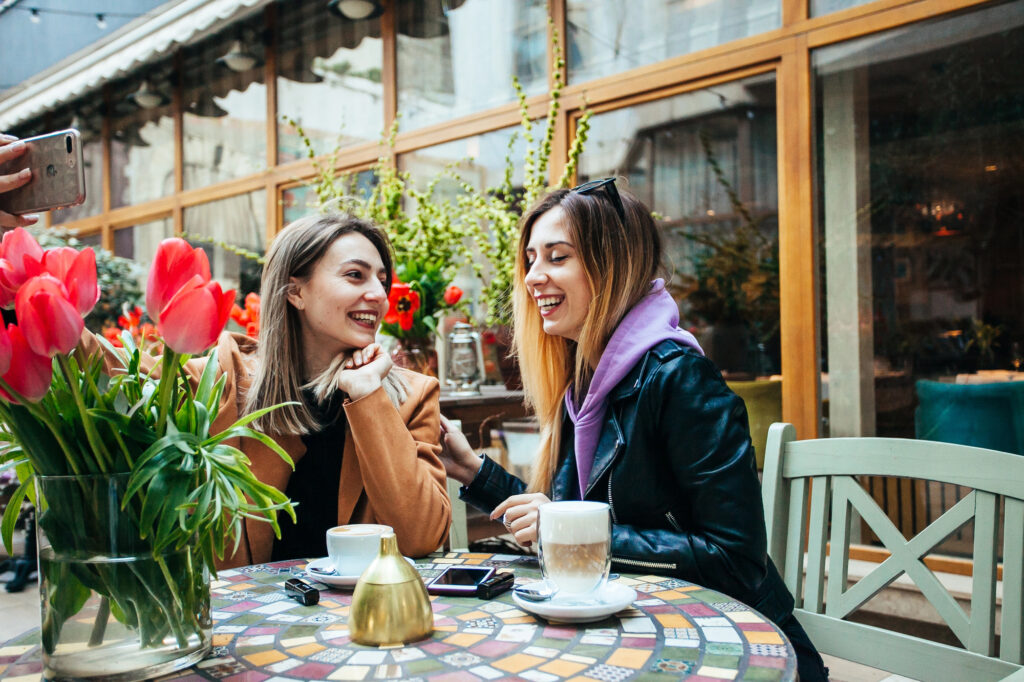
(363, 373)
(519, 514)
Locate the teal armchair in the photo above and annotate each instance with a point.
(982, 415)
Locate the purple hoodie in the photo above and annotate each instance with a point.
(653, 320)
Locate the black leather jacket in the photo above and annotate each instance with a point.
(675, 463)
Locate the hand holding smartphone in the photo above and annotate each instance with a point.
(39, 174)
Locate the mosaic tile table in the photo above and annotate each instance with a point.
(674, 630)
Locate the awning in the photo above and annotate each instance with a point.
(140, 44)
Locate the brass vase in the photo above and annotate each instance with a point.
(390, 603)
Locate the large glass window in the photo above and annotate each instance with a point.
(820, 7)
(142, 139)
(329, 79)
(225, 105)
(705, 162)
(239, 221)
(456, 57)
(609, 36)
(921, 217)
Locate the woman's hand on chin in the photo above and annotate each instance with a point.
(363, 373)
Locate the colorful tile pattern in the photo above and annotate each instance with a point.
(674, 630)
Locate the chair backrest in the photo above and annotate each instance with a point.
(983, 415)
(810, 487)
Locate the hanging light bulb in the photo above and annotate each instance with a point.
(101, 22)
(356, 9)
(237, 58)
(146, 97)
(33, 15)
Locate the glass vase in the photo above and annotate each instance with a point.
(419, 355)
(111, 607)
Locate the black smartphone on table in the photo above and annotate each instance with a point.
(58, 174)
(459, 581)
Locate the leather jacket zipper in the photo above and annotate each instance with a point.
(645, 564)
(672, 520)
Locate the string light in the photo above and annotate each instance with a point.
(36, 14)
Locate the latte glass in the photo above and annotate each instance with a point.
(575, 545)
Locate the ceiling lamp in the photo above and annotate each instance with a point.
(146, 96)
(356, 9)
(237, 58)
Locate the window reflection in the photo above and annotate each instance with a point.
(299, 202)
(224, 121)
(142, 139)
(456, 57)
(323, 58)
(706, 163)
(239, 221)
(609, 36)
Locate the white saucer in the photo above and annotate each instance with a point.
(322, 570)
(612, 598)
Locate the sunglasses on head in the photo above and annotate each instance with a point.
(610, 191)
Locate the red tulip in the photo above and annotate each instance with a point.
(5, 350)
(195, 317)
(77, 270)
(452, 294)
(175, 265)
(49, 321)
(22, 259)
(403, 302)
(29, 373)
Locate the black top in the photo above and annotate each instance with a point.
(314, 486)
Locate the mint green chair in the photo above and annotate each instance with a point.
(983, 415)
(809, 490)
(764, 407)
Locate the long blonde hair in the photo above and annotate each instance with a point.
(279, 378)
(620, 259)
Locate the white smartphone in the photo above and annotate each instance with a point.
(58, 174)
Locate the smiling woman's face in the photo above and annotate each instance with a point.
(342, 302)
(555, 276)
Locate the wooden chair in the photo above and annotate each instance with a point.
(823, 472)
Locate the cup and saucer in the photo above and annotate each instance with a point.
(575, 557)
(608, 599)
(350, 549)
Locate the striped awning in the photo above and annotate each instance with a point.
(133, 47)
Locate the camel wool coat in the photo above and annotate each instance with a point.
(390, 470)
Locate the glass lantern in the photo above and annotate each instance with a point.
(465, 360)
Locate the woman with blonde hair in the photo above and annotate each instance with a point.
(631, 412)
(363, 434)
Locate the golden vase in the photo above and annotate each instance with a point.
(390, 603)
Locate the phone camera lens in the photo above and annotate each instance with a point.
(67, 143)
(51, 171)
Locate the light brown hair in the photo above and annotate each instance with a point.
(279, 375)
(620, 259)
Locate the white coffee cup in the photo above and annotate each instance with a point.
(351, 548)
(575, 545)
